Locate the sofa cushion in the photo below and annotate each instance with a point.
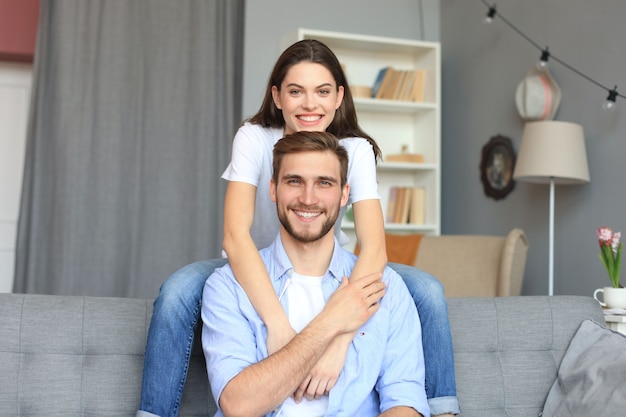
(81, 356)
(507, 349)
(592, 376)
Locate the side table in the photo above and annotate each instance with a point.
(617, 323)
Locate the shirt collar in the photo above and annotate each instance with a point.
(281, 265)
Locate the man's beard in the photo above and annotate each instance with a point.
(308, 236)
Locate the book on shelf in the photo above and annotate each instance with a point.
(405, 205)
(398, 91)
(407, 84)
(416, 215)
(389, 89)
(417, 89)
(385, 76)
(400, 198)
(379, 81)
(404, 85)
(391, 204)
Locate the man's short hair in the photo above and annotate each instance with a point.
(304, 141)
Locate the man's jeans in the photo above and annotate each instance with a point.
(177, 312)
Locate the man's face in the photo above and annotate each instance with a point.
(309, 194)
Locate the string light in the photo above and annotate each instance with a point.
(543, 60)
(610, 102)
(491, 14)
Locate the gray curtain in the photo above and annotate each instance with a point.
(135, 104)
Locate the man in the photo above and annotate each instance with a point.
(384, 370)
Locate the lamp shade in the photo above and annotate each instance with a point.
(552, 150)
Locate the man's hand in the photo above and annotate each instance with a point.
(353, 303)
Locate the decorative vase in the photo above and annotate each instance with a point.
(611, 297)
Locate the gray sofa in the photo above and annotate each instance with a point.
(83, 356)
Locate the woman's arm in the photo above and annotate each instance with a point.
(247, 265)
(370, 231)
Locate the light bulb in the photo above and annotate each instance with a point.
(609, 104)
(491, 14)
(543, 60)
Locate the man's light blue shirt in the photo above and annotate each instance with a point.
(384, 366)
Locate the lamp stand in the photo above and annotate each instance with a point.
(551, 241)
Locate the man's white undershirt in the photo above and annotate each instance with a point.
(305, 300)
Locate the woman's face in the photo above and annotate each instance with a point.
(308, 98)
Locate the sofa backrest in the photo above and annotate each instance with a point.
(507, 350)
(77, 356)
(81, 356)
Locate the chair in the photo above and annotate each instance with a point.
(467, 265)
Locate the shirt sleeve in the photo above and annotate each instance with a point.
(361, 170)
(401, 382)
(228, 340)
(246, 157)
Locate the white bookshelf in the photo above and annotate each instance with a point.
(392, 123)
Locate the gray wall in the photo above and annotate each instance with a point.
(482, 65)
(267, 22)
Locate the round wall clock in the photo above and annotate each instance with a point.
(496, 167)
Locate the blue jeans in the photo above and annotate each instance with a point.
(429, 298)
(177, 312)
(170, 338)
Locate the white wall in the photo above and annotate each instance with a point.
(15, 80)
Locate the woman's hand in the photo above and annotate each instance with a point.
(325, 373)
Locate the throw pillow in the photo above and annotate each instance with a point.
(591, 379)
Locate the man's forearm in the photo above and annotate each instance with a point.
(401, 412)
(263, 386)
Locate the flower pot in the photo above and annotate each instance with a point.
(611, 297)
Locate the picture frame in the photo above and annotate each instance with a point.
(496, 167)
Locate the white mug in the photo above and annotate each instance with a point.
(611, 297)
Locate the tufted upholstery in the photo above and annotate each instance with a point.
(77, 356)
(83, 356)
(507, 350)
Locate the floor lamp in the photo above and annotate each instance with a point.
(552, 153)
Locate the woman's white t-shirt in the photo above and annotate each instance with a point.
(251, 162)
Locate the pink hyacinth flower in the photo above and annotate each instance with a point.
(605, 235)
(615, 241)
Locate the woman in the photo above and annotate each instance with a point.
(307, 90)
